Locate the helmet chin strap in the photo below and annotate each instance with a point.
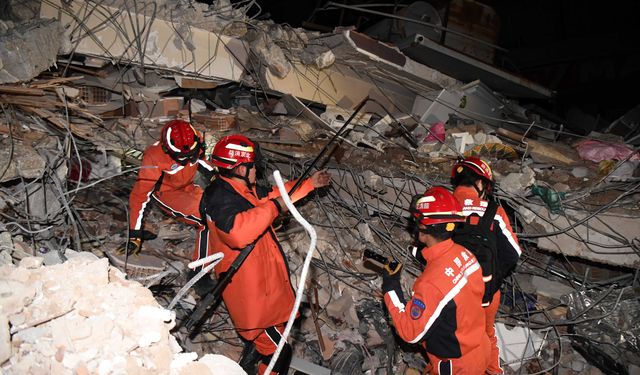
(481, 193)
(245, 178)
(191, 157)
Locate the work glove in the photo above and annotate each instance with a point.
(391, 277)
(143, 234)
(132, 246)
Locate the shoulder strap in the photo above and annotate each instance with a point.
(489, 215)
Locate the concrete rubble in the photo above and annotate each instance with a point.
(29, 48)
(73, 138)
(83, 316)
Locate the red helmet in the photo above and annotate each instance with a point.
(438, 206)
(180, 140)
(233, 150)
(475, 165)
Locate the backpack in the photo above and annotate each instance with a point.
(476, 235)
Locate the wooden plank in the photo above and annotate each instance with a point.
(28, 136)
(60, 123)
(544, 152)
(20, 90)
(55, 81)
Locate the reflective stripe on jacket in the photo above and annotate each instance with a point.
(444, 312)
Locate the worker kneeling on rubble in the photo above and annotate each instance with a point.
(488, 233)
(239, 213)
(167, 177)
(445, 312)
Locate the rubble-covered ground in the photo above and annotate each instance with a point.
(84, 317)
(76, 116)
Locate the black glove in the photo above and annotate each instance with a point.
(143, 235)
(132, 247)
(391, 278)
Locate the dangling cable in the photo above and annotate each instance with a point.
(305, 267)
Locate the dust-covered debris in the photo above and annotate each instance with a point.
(84, 316)
(74, 135)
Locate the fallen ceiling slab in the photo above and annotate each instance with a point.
(363, 67)
(119, 36)
(587, 236)
(468, 69)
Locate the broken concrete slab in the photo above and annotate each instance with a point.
(363, 67)
(550, 288)
(24, 161)
(517, 183)
(466, 68)
(5, 338)
(89, 320)
(111, 27)
(569, 232)
(28, 49)
(319, 56)
(269, 53)
(517, 344)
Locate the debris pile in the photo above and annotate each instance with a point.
(72, 138)
(83, 317)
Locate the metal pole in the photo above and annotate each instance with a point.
(208, 304)
(326, 147)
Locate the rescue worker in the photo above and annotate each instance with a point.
(444, 312)
(167, 178)
(239, 213)
(473, 184)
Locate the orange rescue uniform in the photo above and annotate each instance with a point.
(508, 253)
(260, 295)
(169, 184)
(445, 312)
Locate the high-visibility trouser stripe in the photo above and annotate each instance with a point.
(274, 335)
(445, 368)
(202, 244)
(500, 367)
(176, 213)
(138, 225)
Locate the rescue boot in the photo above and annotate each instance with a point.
(249, 358)
(203, 286)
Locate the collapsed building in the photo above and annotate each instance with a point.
(87, 85)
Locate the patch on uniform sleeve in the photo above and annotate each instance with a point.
(417, 308)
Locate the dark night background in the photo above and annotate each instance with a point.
(588, 52)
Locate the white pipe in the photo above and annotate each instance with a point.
(214, 259)
(305, 267)
(211, 258)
